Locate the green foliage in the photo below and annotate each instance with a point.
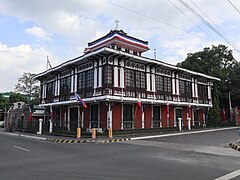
(16, 97)
(217, 61)
(29, 87)
(214, 117)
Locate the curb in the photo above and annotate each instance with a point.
(235, 146)
(68, 141)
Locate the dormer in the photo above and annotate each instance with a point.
(119, 40)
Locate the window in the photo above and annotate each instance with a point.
(156, 117)
(65, 88)
(85, 83)
(129, 78)
(140, 80)
(108, 75)
(50, 91)
(185, 89)
(135, 82)
(163, 85)
(202, 93)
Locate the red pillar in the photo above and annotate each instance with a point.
(164, 116)
(103, 116)
(86, 116)
(137, 118)
(201, 116)
(148, 117)
(184, 116)
(117, 116)
(171, 116)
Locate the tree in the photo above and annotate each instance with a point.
(28, 86)
(217, 61)
(17, 97)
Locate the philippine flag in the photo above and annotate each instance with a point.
(78, 98)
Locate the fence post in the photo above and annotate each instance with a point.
(40, 126)
(110, 135)
(180, 124)
(93, 133)
(78, 133)
(50, 125)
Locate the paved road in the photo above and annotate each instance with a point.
(22, 158)
(215, 138)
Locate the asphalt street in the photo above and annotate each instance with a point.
(22, 158)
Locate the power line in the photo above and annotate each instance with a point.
(203, 20)
(234, 6)
(144, 15)
(190, 19)
(207, 17)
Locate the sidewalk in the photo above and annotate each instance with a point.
(62, 139)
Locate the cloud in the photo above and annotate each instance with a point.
(39, 33)
(19, 59)
(69, 26)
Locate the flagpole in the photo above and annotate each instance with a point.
(230, 105)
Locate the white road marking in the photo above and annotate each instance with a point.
(21, 148)
(230, 175)
(182, 133)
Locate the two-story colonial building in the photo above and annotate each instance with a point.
(112, 76)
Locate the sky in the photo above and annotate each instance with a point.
(31, 30)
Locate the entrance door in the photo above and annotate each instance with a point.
(127, 116)
(94, 116)
(196, 118)
(73, 118)
(178, 115)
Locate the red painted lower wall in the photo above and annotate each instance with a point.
(117, 116)
(86, 117)
(103, 116)
(171, 116)
(148, 117)
(137, 118)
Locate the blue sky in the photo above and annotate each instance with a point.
(31, 30)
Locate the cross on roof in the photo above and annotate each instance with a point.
(116, 21)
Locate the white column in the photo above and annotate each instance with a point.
(40, 126)
(56, 87)
(115, 84)
(193, 88)
(180, 124)
(75, 81)
(177, 85)
(50, 125)
(209, 91)
(44, 90)
(122, 77)
(153, 80)
(72, 82)
(196, 88)
(148, 78)
(143, 120)
(189, 123)
(109, 116)
(173, 83)
(95, 75)
(82, 118)
(100, 74)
